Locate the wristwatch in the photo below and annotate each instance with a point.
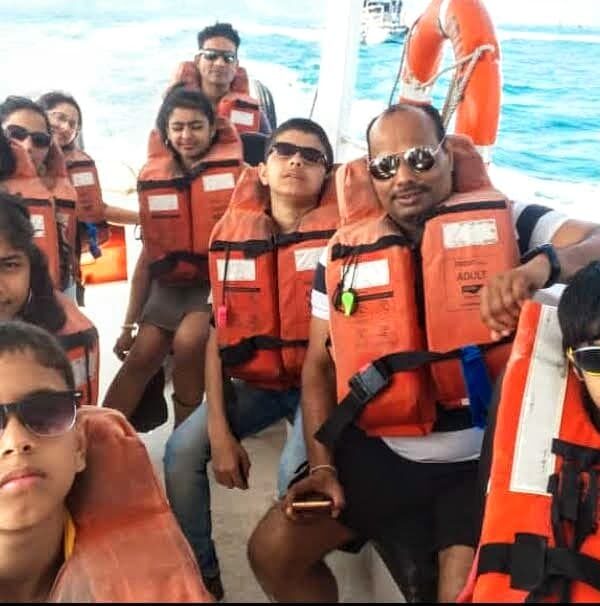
(550, 252)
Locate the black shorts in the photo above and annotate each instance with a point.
(425, 506)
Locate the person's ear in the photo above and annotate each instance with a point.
(80, 448)
(262, 174)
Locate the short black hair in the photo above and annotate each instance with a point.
(219, 30)
(16, 336)
(179, 96)
(42, 308)
(579, 307)
(306, 126)
(50, 100)
(14, 103)
(8, 162)
(428, 109)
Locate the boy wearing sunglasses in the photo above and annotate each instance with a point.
(217, 73)
(70, 480)
(394, 458)
(262, 258)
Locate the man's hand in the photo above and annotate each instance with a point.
(230, 461)
(504, 295)
(124, 343)
(323, 482)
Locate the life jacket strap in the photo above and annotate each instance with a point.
(534, 567)
(375, 377)
(245, 350)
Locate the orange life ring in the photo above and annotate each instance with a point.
(468, 26)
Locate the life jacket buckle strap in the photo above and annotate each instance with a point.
(369, 381)
(527, 564)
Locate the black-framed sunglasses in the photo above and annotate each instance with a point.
(309, 154)
(44, 413)
(212, 55)
(419, 159)
(586, 359)
(39, 139)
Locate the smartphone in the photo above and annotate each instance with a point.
(316, 504)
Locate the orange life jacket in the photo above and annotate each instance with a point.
(178, 213)
(237, 106)
(49, 208)
(84, 176)
(416, 306)
(128, 545)
(261, 284)
(79, 339)
(540, 537)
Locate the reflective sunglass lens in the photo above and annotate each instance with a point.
(49, 413)
(384, 167)
(420, 159)
(588, 360)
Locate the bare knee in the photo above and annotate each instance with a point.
(270, 548)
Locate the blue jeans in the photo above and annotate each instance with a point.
(188, 451)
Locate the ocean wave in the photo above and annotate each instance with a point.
(578, 200)
(504, 35)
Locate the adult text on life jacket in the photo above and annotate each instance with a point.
(416, 307)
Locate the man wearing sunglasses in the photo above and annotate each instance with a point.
(67, 477)
(419, 477)
(217, 72)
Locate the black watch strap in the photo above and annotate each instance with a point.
(550, 252)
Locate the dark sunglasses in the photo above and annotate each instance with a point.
(19, 133)
(287, 150)
(213, 55)
(44, 413)
(586, 359)
(418, 159)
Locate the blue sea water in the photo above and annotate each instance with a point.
(117, 58)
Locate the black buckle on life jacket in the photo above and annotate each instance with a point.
(369, 381)
(527, 567)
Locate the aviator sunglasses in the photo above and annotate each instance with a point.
(418, 159)
(213, 55)
(309, 154)
(586, 359)
(39, 139)
(44, 413)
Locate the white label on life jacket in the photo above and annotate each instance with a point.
(242, 118)
(470, 233)
(83, 179)
(307, 258)
(369, 274)
(541, 409)
(218, 182)
(162, 202)
(39, 227)
(238, 270)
